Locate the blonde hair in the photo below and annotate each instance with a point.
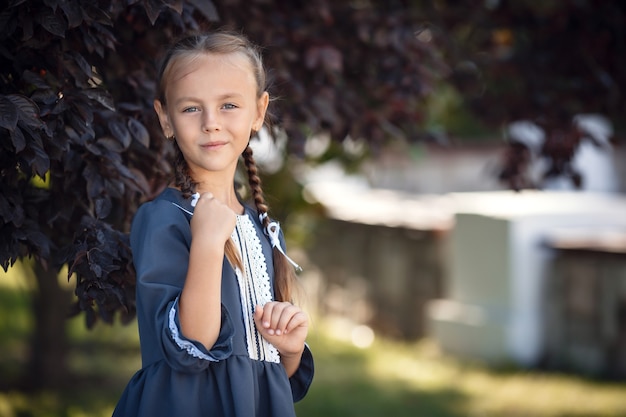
(224, 43)
(227, 43)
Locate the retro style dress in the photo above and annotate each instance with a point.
(241, 375)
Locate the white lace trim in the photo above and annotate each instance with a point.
(186, 345)
(254, 287)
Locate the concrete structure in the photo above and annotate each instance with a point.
(495, 303)
(382, 255)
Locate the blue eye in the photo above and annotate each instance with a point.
(190, 109)
(229, 106)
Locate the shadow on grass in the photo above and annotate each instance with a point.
(15, 324)
(366, 397)
(100, 362)
(346, 386)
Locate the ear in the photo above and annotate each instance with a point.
(164, 119)
(262, 104)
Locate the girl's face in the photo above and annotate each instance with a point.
(212, 107)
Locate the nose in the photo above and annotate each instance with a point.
(211, 121)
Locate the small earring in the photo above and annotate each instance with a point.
(171, 138)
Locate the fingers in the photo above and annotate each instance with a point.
(205, 198)
(212, 219)
(278, 318)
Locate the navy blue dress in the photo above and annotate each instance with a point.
(241, 375)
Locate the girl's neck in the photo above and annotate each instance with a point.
(226, 195)
(222, 186)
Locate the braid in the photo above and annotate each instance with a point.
(255, 184)
(182, 179)
(284, 275)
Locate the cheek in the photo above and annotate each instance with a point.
(181, 126)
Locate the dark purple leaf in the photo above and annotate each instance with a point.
(104, 35)
(90, 318)
(78, 259)
(41, 164)
(153, 9)
(207, 8)
(53, 23)
(72, 11)
(103, 207)
(131, 107)
(120, 132)
(115, 188)
(44, 97)
(93, 148)
(40, 242)
(122, 170)
(83, 112)
(90, 43)
(140, 181)
(110, 144)
(27, 110)
(60, 107)
(34, 79)
(176, 5)
(18, 140)
(73, 71)
(82, 64)
(139, 132)
(8, 114)
(101, 96)
(11, 212)
(84, 130)
(95, 182)
(100, 236)
(97, 14)
(73, 136)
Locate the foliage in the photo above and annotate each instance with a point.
(545, 62)
(101, 259)
(357, 69)
(80, 145)
(77, 136)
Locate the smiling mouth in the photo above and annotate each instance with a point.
(213, 145)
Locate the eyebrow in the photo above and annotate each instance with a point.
(221, 97)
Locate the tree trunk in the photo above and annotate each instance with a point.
(48, 362)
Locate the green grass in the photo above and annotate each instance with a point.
(386, 379)
(415, 379)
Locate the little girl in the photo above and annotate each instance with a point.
(219, 334)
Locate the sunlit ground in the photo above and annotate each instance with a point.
(380, 378)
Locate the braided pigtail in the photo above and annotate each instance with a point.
(285, 283)
(182, 179)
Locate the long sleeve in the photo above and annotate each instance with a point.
(160, 241)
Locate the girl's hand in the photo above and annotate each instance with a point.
(285, 326)
(213, 222)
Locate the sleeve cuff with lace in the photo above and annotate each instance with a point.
(222, 348)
